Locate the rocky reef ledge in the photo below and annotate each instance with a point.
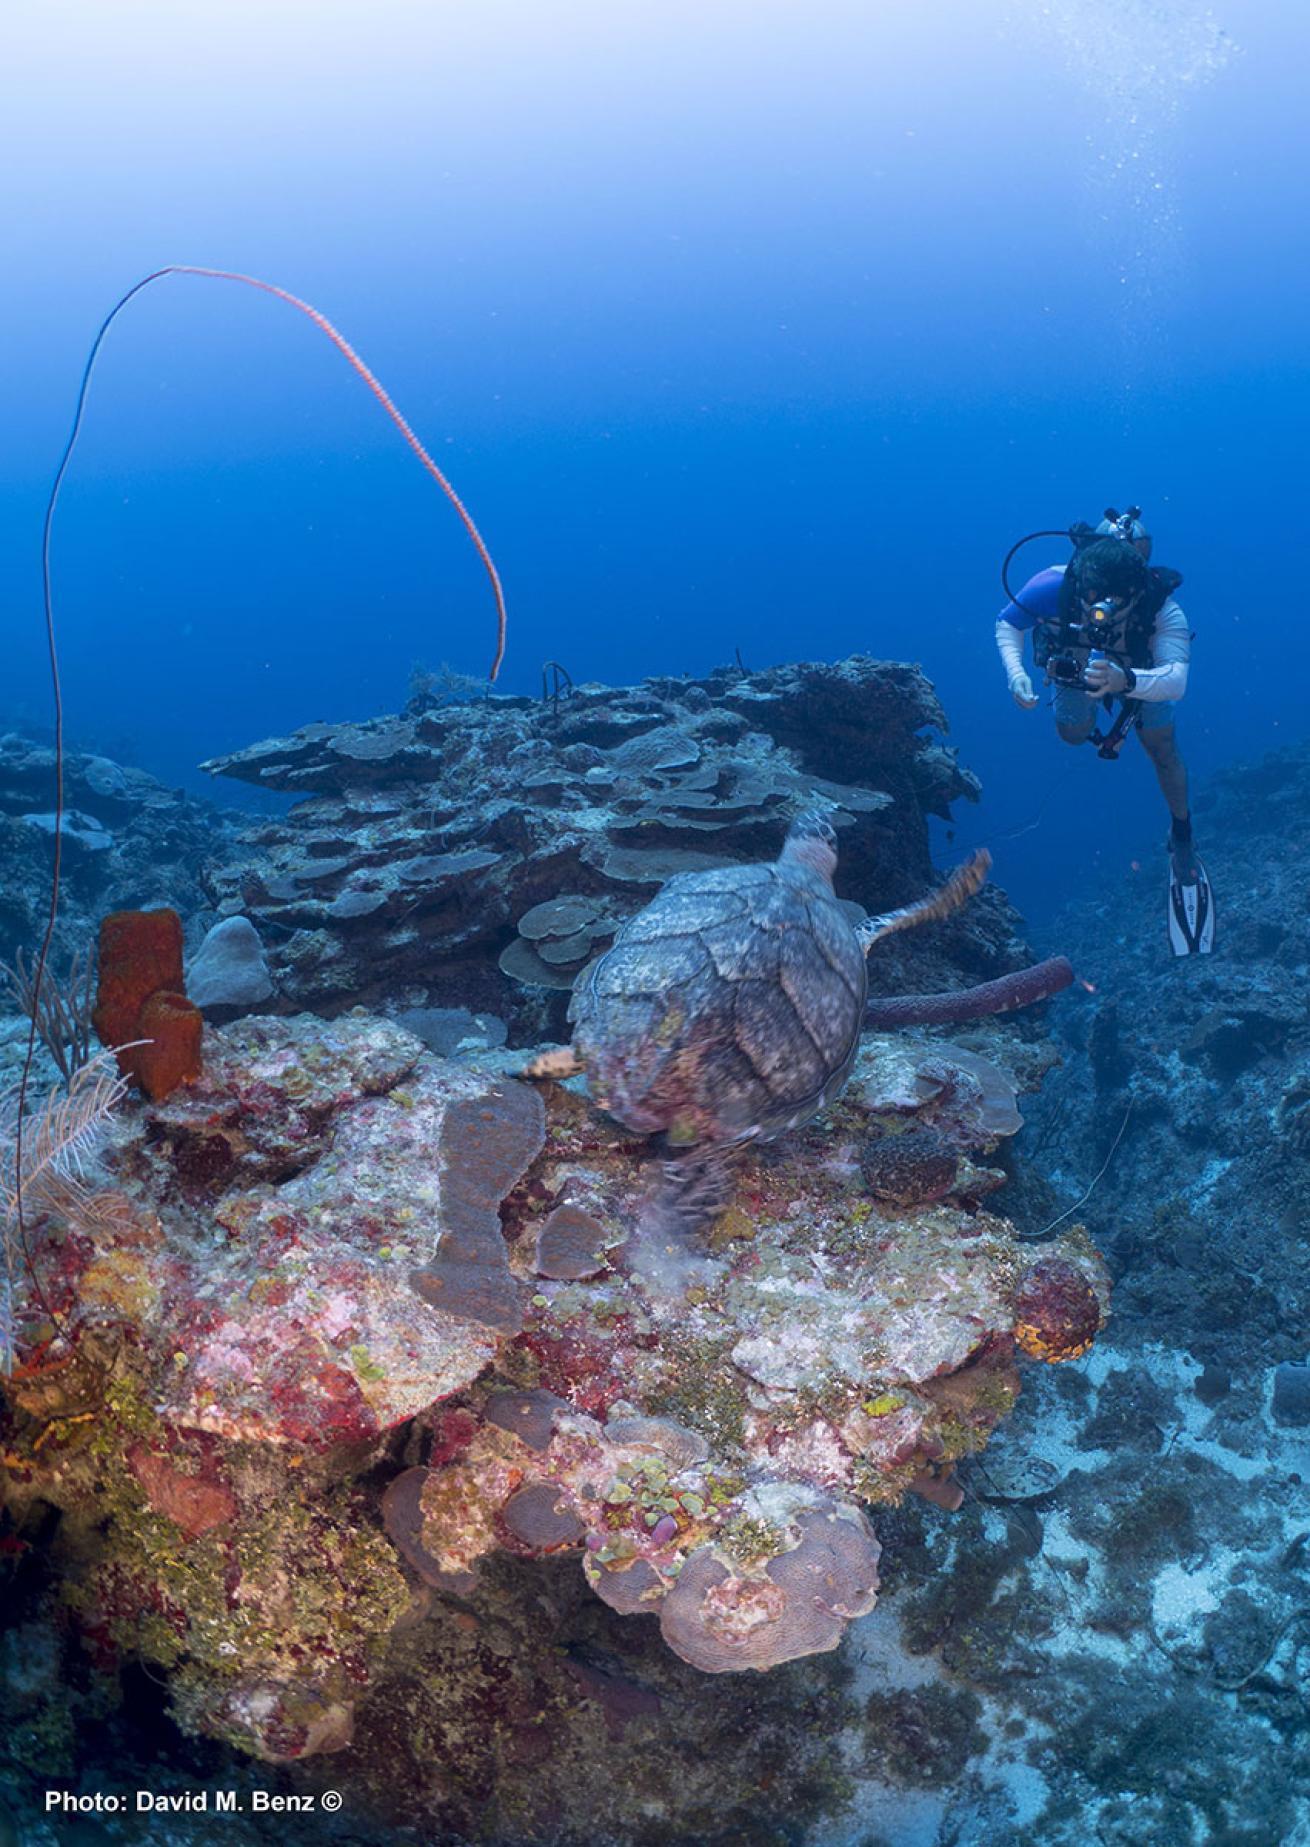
(127, 840)
(352, 1322)
(483, 852)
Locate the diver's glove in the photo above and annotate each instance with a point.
(1021, 690)
(1105, 677)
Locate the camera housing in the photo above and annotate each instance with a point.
(1065, 671)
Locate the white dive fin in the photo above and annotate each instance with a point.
(1191, 914)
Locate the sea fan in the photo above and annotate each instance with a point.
(58, 1143)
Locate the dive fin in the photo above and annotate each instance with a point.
(1191, 912)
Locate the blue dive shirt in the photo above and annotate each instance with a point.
(1040, 600)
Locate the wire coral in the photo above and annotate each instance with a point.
(351, 357)
(357, 364)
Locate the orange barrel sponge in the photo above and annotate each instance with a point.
(141, 995)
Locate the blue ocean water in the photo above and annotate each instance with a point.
(751, 328)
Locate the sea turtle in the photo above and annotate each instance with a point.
(730, 1008)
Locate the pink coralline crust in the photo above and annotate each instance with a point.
(1024, 987)
(192, 1502)
(279, 1311)
(269, 1094)
(452, 1432)
(278, 1723)
(818, 1452)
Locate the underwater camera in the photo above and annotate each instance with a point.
(1065, 671)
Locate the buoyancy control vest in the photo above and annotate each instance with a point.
(1067, 630)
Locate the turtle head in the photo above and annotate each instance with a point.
(812, 841)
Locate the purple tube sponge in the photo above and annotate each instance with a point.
(1023, 987)
(487, 1145)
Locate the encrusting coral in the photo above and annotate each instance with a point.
(332, 1235)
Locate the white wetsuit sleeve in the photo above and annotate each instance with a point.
(1009, 644)
(1171, 651)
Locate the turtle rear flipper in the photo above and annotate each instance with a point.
(694, 1189)
(948, 898)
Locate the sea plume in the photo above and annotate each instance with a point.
(57, 1145)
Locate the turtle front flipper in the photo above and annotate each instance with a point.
(948, 898)
(559, 1063)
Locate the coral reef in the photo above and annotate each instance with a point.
(128, 841)
(1105, 1639)
(333, 1235)
(430, 845)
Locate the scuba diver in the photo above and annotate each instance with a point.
(1106, 629)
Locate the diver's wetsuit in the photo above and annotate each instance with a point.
(1158, 686)
(1161, 683)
